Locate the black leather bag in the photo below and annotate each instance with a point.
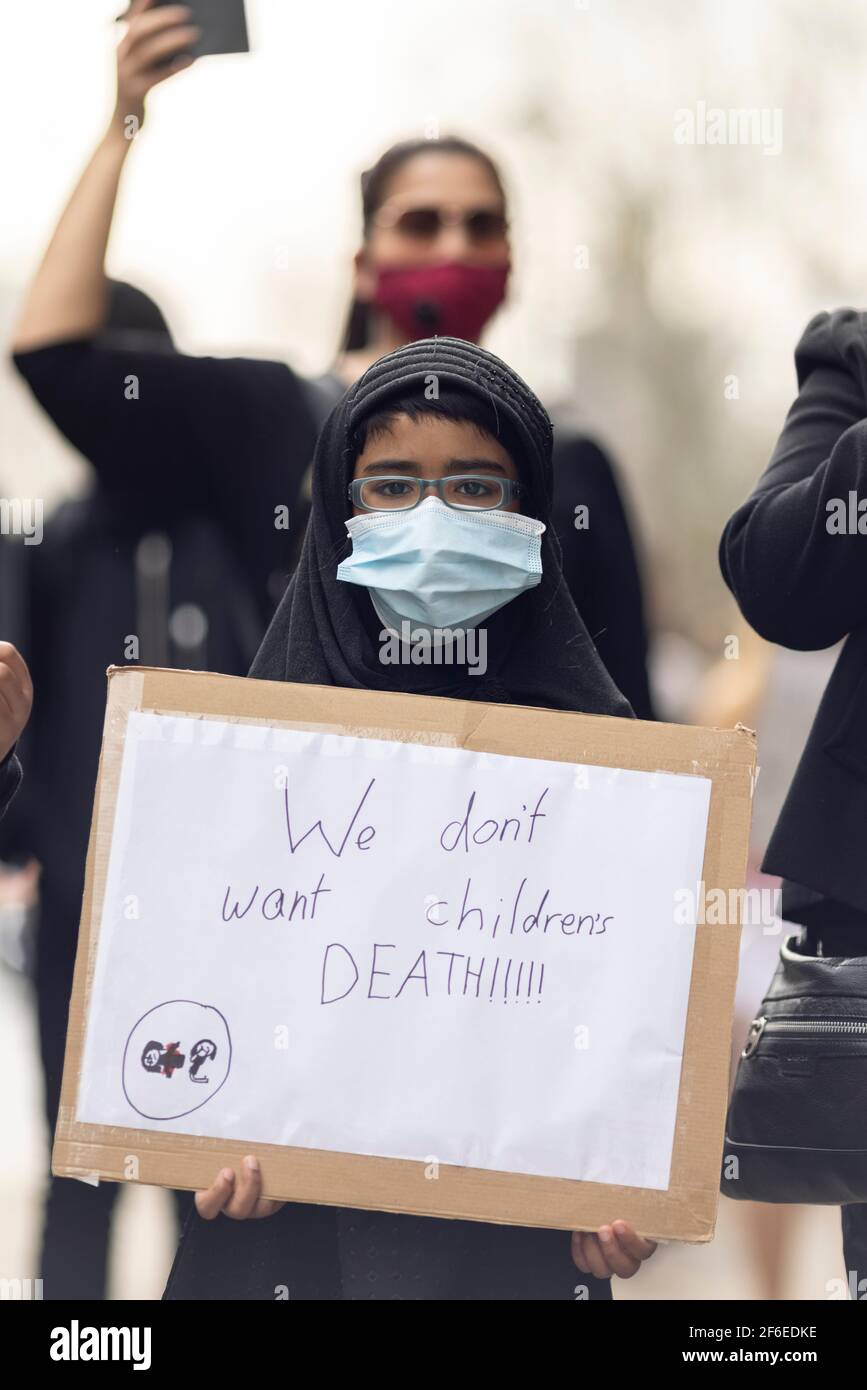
(796, 1129)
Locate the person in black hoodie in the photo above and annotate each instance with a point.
(795, 557)
(435, 258)
(487, 434)
(118, 577)
(16, 702)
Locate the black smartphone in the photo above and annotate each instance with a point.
(223, 24)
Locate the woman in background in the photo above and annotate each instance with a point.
(435, 259)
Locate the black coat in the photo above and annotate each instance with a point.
(601, 565)
(803, 585)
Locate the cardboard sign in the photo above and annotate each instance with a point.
(418, 954)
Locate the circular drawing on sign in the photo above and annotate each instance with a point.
(177, 1056)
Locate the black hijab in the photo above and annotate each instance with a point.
(324, 631)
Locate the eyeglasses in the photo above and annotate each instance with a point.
(465, 492)
(424, 223)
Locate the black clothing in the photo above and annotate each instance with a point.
(237, 434)
(84, 603)
(234, 438)
(802, 586)
(229, 438)
(170, 533)
(833, 929)
(539, 651)
(173, 440)
(599, 561)
(10, 778)
(321, 1254)
(540, 654)
(600, 564)
(84, 595)
(180, 450)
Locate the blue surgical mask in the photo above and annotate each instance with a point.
(440, 568)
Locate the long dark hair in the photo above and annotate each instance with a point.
(374, 183)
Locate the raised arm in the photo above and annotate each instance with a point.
(68, 297)
(228, 437)
(799, 576)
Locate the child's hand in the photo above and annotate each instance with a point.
(615, 1249)
(241, 1201)
(16, 697)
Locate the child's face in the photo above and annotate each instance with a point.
(431, 447)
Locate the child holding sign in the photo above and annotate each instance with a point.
(437, 467)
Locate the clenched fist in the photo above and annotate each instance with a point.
(16, 697)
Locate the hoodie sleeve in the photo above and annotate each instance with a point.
(800, 580)
(10, 777)
(213, 433)
(165, 417)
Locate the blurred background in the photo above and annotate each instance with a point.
(659, 289)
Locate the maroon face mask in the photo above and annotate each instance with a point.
(451, 299)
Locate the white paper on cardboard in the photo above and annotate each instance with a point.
(395, 949)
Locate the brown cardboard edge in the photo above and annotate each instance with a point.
(687, 1210)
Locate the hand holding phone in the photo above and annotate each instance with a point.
(222, 26)
(157, 44)
(163, 38)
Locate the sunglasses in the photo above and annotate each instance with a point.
(425, 223)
